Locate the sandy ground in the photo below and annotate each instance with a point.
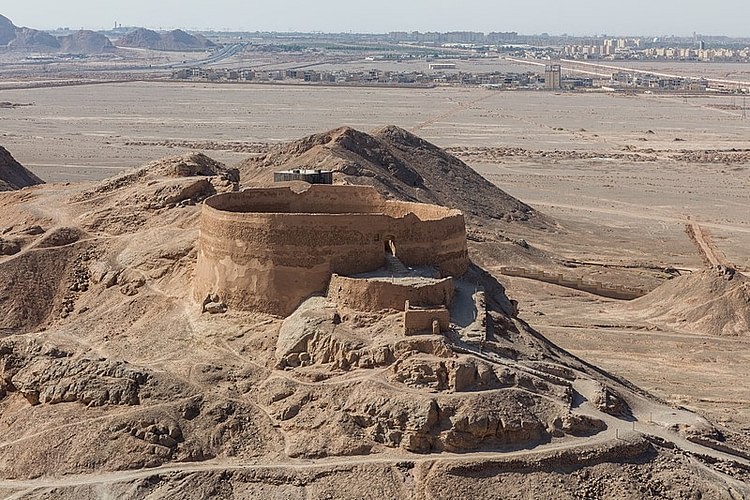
(633, 211)
(82, 132)
(651, 204)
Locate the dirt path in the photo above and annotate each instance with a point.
(635, 214)
(461, 107)
(618, 430)
(708, 250)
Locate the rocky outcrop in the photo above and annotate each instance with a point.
(371, 416)
(175, 40)
(173, 182)
(45, 374)
(13, 175)
(7, 30)
(87, 381)
(34, 40)
(85, 42)
(398, 163)
(59, 237)
(178, 168)
(9, 247)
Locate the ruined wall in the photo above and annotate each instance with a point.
(269, 249)
(419, 321)
(375, 295)
(596, 287)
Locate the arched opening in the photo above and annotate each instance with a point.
(389, 246)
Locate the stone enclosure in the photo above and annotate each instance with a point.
(268, 249)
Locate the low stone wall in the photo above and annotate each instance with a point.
(366, 294)
(595, 287)
(420, 321)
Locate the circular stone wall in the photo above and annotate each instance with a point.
(269, 249)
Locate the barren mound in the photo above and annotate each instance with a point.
(85, 42)
(127, 202)
(7, 30)
(34, 40)
(13, 175)
(80, 42)
(176, 40)
(181, 40)
(140, 38)
(398, 164)
(706, 303)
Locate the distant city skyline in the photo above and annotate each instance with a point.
(574, 17)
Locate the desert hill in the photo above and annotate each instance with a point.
(28, 39)
(7, 30)
(13, 175)
(711, 302)
(176, 40)
(34, 40)
(140, 393)
(85, 42)
(398, 164)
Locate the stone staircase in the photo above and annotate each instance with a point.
(394, 265)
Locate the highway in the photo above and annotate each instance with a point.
(220, 55)
(606, 70)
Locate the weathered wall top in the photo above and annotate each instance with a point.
(303, 198)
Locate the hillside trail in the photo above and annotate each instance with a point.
(706, 247)
(651, 420)
(617, 431)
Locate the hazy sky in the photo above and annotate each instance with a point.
(647, 17)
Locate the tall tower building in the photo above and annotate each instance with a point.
(553, 77)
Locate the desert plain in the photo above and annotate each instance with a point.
(620, 163)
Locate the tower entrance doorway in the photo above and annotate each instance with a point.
(389, 246)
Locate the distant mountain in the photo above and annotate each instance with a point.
(91, 42)
(183, 40)
(176, 40)
(31, 39)
(7, 30)
(140, 38)
(13, 175)
(85, 42)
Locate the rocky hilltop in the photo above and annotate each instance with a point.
(175, 40)
(142, 392)
(28, 39)
(7, 30)
(34, 40)
(91, 42)
(398, 164)
(85, 42)
(13, 175)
